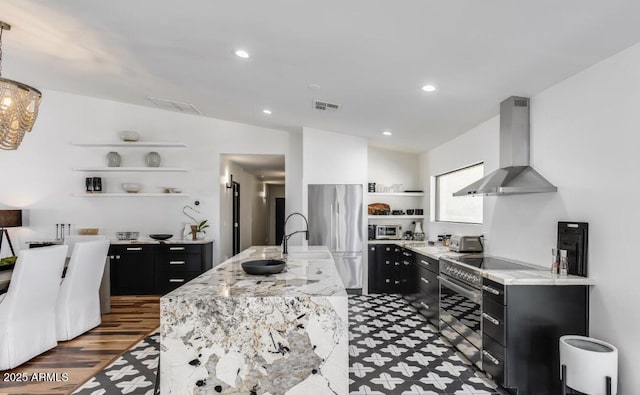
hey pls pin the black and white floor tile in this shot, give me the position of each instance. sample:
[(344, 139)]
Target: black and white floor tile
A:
[(393, 350), (134, 372)]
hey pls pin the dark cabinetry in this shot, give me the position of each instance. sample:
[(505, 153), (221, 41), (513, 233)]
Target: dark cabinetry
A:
[(132, 269), (384, 268), (425, 297), (144, 269), (521, 327), (392, 269)]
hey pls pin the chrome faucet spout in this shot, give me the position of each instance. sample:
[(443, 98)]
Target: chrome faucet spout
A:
[(286, 237)]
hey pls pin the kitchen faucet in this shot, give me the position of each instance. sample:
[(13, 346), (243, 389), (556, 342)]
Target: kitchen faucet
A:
[(286, 237)]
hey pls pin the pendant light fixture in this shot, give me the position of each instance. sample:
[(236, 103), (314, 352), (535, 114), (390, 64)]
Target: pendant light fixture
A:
[(18, 106)]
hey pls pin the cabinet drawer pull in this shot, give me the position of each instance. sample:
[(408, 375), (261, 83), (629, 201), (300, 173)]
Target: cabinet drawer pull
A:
[(491, 290), (176, 248), (425, 262), (176, 280), (386, 280), (426, 306), (177, 262), (388, 248), (407, 263), (424, 280), (134, 248), (396, 282), (396, 263), (491, 319), (490, 357)]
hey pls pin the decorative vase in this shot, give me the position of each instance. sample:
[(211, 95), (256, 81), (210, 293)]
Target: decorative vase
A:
[(194, 232), (113, 159), (153, 159)]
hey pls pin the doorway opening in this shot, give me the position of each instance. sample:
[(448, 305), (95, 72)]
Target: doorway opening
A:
[(252, 200)]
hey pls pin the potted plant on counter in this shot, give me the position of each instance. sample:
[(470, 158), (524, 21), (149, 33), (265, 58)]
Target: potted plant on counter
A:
[(198, 231)]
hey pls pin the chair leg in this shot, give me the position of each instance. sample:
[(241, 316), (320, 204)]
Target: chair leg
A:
[(156, 389), (564, 379), (608, 389)]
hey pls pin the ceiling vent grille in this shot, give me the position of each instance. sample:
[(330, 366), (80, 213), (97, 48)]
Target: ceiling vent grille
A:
[(172, 105), (325, 105)]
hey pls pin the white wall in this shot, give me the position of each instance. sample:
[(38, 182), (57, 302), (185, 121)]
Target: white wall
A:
[(41, 177), (584, 139)]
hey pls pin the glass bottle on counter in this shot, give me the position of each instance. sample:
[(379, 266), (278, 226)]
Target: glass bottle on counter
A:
[(564, 263), (555, 264)]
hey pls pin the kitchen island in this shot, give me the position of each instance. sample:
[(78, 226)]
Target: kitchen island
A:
[(229, 332)]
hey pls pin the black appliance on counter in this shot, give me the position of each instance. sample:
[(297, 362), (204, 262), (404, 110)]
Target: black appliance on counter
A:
[(573, 237), (372, 232)]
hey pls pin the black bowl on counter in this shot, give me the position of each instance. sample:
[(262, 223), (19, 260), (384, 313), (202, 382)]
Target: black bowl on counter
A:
[(263, 266), (161, 236)]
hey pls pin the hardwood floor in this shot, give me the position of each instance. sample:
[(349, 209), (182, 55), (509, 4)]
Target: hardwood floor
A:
[(130, 320)]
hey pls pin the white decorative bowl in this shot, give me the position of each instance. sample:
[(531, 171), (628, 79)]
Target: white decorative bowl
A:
[(131, 187), (129, 135)]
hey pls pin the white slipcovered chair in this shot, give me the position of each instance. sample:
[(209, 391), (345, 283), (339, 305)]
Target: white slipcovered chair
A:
[(28, 309), (78, 305)]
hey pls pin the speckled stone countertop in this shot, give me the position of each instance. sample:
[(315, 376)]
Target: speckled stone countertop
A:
[(151, 241), (301, 277), (537, 275), (227, 332)]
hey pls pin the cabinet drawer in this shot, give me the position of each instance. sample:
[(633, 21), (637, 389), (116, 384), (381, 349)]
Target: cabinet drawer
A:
[(493, 359), (493, 291), (493, 321), (428, 263), (428, 282), (180, 249), (183, 262), (426, 306), (172, 280)]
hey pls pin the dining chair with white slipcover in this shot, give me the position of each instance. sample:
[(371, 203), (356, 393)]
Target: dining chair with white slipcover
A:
[(28, 309), (78, 305)]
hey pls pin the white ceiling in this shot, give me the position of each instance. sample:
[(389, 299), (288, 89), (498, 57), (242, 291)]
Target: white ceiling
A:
[(370, 56)]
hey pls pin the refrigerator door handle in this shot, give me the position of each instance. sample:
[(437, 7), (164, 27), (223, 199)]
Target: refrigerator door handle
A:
[(332, 246), (338, 233)]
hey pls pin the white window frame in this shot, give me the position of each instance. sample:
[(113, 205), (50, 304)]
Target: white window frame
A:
[(436, 217)]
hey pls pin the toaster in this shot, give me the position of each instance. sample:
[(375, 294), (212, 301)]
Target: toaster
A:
[(459, 243)]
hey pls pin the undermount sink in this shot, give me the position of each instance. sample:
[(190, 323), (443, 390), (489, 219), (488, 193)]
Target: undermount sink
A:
[(309, 255)]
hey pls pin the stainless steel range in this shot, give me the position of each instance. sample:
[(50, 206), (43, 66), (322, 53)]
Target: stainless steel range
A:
[(461, 299)]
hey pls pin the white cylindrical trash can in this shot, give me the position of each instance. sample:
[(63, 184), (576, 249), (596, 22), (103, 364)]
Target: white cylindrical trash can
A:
[(589, 362)]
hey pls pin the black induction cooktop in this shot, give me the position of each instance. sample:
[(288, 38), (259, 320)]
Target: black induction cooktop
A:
[(491, 263)]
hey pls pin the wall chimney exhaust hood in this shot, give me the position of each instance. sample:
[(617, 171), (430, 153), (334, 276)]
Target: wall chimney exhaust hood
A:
[(514, 175)]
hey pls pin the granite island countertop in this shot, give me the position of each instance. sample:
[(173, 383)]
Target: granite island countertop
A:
[(229, 332), (301, 277)]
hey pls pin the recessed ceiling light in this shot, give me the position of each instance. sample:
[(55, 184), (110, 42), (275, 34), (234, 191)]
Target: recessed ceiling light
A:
[(314, 86), (241, 53), (428, 88), (267, 111), (387, 133)]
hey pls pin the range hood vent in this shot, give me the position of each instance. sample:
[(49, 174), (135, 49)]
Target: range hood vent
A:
[(515, 175)]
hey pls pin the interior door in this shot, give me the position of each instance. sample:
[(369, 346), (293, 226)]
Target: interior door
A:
[(279, 220), (236, 218)]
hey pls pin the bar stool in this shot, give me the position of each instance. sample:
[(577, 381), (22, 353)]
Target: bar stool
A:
[(588, 365)]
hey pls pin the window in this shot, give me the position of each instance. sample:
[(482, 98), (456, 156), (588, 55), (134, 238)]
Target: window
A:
[(460, 208)]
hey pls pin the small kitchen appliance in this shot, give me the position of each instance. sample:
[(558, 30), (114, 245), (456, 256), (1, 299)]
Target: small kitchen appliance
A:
[(460, 243), (388, 232), (573, 238)]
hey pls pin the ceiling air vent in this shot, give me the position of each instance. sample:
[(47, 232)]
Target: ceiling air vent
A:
[(172, 105), (325, 105)]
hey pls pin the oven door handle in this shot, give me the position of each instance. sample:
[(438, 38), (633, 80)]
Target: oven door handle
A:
[(473, 296)]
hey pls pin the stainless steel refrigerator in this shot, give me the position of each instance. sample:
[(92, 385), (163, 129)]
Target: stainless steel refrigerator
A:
[(335, 221)]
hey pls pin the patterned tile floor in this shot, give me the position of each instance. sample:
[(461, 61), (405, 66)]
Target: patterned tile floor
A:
[(393, 350)]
